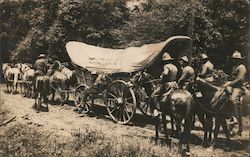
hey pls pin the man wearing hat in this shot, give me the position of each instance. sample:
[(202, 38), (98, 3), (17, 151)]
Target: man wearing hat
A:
[(187, 73), (40, 65), (168, 80), (237, 79), (206, 68)]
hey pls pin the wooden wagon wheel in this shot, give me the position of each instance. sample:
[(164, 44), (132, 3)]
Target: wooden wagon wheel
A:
[(86, 102), (120, 101), (64, 96), (78, 92)]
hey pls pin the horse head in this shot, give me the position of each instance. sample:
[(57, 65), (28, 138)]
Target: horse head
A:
[(5, 67), (214, 96)]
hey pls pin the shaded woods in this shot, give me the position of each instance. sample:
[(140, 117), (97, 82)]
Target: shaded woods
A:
[(30, 27)]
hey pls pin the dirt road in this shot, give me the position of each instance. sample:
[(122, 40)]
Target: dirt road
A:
[(62, 121)]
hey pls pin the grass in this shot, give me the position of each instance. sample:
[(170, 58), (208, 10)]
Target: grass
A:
[(23, 140)]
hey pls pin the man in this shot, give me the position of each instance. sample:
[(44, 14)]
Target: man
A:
[(40, 65), (237, 79), (187, 75), (168, 80), (206, 68), (41, 81)]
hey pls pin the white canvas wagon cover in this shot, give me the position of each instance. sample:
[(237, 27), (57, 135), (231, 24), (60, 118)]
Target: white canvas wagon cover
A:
[(106, 60)]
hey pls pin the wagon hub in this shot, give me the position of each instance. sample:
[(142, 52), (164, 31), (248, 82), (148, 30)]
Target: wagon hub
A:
[(119, 100)]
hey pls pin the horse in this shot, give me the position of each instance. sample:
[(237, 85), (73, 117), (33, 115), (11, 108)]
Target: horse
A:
[(179, 104), (214, 104), (28, 79), (5, 67), (11, 76), (41, 91), (61, 79)]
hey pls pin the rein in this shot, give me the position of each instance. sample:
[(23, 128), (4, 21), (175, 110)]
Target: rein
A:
[(209, 111)]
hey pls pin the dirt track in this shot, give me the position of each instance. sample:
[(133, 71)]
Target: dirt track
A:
[(62, 120)]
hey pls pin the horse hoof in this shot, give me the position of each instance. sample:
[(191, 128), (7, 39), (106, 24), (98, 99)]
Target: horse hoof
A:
[(205, 145)]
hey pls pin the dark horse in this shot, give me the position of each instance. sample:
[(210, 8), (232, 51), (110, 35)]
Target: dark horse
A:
[(41, 92), (179, 104), (214, 104)]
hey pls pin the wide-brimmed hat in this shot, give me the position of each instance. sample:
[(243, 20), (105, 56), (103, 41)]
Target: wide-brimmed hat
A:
[(41, 56), (184, 58), (166, 57), (204, 56), (237, 55)]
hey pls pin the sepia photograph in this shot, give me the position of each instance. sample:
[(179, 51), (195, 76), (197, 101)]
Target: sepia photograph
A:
[(124, 78)]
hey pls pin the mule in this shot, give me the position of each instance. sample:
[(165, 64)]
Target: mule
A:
[(11, 76), (28, 79), (5, 67), (61, 79), (41, 92), (216, 99), (180, 105)]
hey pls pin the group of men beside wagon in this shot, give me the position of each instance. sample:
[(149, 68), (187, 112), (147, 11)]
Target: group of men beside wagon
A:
[(170, 80)]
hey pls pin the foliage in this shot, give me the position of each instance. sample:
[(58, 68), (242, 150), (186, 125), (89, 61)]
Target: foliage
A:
[(24, 140), (30, 27)]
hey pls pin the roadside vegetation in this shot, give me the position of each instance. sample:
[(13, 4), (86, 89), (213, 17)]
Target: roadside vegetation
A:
[(23, 140)]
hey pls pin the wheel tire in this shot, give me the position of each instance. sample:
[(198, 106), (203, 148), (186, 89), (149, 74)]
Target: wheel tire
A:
[(79, 91), (120, 102), (64, 96), (86, 102)]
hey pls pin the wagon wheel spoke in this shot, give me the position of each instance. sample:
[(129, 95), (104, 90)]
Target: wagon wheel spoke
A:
[(123, 89), (79, 90), (125, 92), (124, 114), (145, 107), (111, 94), (129, 98), (128, 111), (86, 103), (120, 101)]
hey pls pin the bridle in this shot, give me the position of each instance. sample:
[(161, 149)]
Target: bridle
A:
[(223, 91)]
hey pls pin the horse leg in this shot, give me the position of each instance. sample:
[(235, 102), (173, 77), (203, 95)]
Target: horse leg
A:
[(164, 125), (238, 114), (45, 99), (178, 131), (7, 86), (205, 128), (187, 132), (36, 97), (172, 123), (209, 126), (216, 129), (53, 95), (225, 128), (157, 127)]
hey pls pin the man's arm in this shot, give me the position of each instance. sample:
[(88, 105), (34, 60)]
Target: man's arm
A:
[(240, 77), (203, 71), (183, 76)]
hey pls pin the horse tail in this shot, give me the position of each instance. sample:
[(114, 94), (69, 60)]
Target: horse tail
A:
[(46, 86)]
